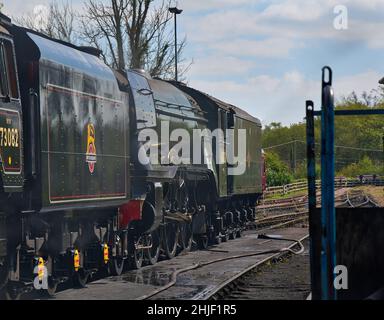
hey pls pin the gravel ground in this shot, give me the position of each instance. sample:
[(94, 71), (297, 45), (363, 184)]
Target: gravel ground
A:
[(286, 279), (376, 193)]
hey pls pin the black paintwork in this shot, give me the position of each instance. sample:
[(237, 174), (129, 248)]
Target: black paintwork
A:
[(67, 92), (11, 131)]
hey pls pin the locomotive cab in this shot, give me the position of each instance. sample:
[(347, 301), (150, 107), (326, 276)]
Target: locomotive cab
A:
[(11, 178), (11, 172)]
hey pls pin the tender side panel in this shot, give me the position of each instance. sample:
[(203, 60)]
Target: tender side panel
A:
[(250, 181), (84, 137)]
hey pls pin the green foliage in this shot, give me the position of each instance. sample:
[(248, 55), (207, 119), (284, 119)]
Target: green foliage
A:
[(301, 171), (362, 167), (356, 138), (277, 172)]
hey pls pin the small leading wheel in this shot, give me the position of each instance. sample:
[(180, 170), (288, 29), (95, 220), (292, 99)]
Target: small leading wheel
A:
[(152, 254), (202, 241), (171, 232), (116, 266), (80, 278)]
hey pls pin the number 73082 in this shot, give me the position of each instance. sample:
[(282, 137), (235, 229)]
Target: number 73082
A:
[(9, 137)]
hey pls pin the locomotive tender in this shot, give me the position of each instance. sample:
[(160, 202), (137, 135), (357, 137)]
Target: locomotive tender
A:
[(74, 197)]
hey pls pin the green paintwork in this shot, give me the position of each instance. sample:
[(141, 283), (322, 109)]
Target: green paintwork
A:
[(222, 168), (250, 181), (69, 103), (11, 132), (10, 146)]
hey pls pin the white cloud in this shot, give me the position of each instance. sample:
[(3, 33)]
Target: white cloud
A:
[(283, 98), (221, 25), (220, 65), (41, 15), (299, 10), (272, 47), (293, 19), (230, 39), (203, 5), (20, 7), (365, 81), (17, 8), (367, 5), (370, 33)]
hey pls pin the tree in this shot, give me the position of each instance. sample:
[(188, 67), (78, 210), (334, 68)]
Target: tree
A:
[(277, 172), (103, 27), (355, 138), (132, 33), (57, 21), (362, 167)]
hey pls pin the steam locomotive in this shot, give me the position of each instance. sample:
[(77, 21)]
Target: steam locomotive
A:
[(75, 197)]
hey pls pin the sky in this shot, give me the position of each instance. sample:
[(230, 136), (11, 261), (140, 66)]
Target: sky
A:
[(266, 56)]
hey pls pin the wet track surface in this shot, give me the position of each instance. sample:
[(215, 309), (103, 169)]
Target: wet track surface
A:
[(194, 284)]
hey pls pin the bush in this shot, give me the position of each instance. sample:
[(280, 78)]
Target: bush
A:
[(301, 171), (276, 170), (364, 166)]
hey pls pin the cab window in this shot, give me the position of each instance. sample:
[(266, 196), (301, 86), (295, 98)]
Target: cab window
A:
[(3, 72), (8, 81)]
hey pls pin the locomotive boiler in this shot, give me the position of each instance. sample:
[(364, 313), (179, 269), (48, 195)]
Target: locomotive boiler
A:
[(75, 197)]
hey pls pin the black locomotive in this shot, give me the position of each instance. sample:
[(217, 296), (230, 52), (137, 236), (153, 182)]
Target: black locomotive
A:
[(75, 197)]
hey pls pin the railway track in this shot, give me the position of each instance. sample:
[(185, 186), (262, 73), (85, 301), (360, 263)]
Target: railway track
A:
[(272, 253), (272, 216), (246, 285), (276, 220), (280, 214), (284, 205), (270, 223), (355, 199)]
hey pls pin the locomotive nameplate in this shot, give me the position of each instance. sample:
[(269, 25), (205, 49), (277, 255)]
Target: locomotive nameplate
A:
[(10, 150)]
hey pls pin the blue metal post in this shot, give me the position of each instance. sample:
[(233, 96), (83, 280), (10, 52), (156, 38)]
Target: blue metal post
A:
[(311, 163), (311, 174), (328, 216), (322, 227)]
